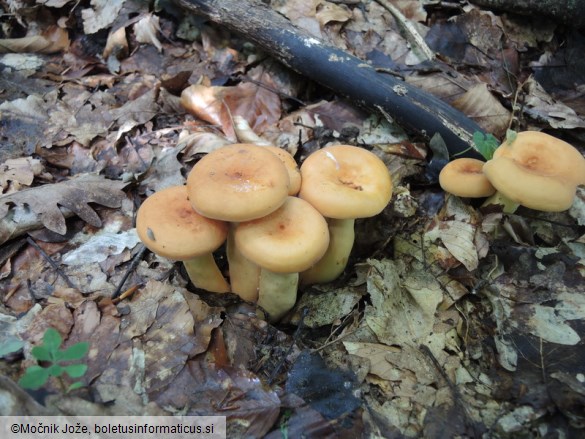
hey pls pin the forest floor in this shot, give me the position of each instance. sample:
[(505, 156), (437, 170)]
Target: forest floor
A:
[(451, 320)]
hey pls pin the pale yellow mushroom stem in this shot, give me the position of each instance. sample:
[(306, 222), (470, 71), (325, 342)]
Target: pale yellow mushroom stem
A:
[(330, 266), (205, 274), (244, 274), (278, 293)]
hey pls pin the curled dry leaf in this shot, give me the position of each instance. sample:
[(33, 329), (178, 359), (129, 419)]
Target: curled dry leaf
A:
[(146, 30), (100, 246), (542, 106), (458, 229), (199, 143), (17, 172), (218, 105), (483, 107), (42, 206), (54, 39), (245, 133), (102, 15), (116, 44), (330, 12)]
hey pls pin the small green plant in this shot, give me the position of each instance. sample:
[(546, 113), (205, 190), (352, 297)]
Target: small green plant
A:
[(511, 136), (284, 424), (50, 352), (486, 144)]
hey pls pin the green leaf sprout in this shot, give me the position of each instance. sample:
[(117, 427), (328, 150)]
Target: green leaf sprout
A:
[(37, 376), (486, 144)]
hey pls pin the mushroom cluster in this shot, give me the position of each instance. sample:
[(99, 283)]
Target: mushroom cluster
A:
[(281, 224), (534, 170)]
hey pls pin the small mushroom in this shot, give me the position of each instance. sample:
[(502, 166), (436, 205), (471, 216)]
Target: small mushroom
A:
[(464, 177), (343, 183), (235, 183), (283, 243), (168, 226), (246, 134), (537, 171), (294, 174)]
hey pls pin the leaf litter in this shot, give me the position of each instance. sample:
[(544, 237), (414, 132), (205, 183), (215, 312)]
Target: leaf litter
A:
[(450, 320)]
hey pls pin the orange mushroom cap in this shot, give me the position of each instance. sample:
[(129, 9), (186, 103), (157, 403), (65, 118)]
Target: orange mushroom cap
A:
[(289, 240), (237, 183), (343, 181), (167, 224), (528, 187), (546, 155), (294, 173), (464, 177), (537, 171)]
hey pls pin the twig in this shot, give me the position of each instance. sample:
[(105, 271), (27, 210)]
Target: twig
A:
[(280, 94), (51, 262), (458, 399), (296, 336), (412, 35), (126, 293), (135, 261), (515, 108), (330, 341)]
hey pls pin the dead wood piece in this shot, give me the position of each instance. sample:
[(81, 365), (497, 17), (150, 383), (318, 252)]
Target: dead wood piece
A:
[(568, 12), (414, 109)]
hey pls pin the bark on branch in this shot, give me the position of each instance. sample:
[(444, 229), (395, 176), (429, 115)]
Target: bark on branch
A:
[(568, 12), (414, 109)]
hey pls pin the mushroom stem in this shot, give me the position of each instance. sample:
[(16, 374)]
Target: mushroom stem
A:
[(332, 264), (499, 199), (244, 274), (278, 293), (205, 274)]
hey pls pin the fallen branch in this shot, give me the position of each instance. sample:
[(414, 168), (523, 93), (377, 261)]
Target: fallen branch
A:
[(568, 12), (414, 109)]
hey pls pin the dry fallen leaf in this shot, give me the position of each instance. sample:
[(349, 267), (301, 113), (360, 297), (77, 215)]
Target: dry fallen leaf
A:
[(146, 30), (54, 39), (328, 12), (396, 316), (325, 305), (103, 14), (542, 106), (483, 107), (116, 44), (43, 205), (457, 228), (391, 362), (100, 246), (15, 173), (217, 105)]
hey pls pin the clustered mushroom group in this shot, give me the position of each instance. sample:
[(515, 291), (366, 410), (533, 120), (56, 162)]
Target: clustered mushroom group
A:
[(281, 224), (534, 170)]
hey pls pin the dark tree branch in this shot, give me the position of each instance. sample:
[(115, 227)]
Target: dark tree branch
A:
[(414, 109), (568, 12)]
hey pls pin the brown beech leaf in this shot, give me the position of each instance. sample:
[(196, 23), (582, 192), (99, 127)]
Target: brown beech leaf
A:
[(146, 31), (259, 106), (15, 173), (101, 15), (44, 203), (54, 39), (483, 107)]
